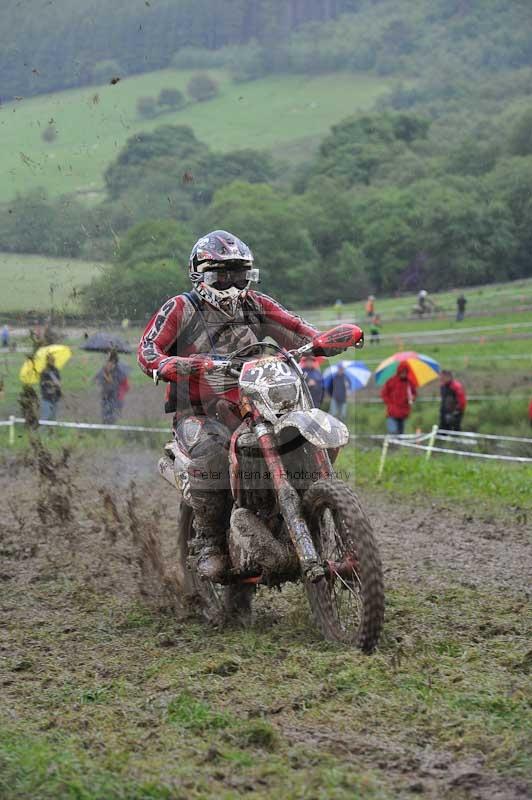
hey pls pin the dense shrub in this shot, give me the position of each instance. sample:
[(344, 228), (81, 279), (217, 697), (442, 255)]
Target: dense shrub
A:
[(49, 134), (172, 98), (33, 223), (202, 87), (520, 143), (146, 107), (149, 267)]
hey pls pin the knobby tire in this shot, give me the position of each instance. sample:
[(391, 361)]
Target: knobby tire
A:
[(353, 536)]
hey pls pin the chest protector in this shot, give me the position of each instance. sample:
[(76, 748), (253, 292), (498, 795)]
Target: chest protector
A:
[(210, 332)]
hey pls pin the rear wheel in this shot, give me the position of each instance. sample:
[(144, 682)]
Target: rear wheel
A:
[(217, 604), (347, 604)]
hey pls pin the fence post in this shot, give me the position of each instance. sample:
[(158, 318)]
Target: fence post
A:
[(12, 430), (384, 452), (432, 439)]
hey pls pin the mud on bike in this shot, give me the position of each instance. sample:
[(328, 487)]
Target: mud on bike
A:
[(292, 519)]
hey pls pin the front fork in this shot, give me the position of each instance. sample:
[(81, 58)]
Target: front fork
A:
[(290, 505)]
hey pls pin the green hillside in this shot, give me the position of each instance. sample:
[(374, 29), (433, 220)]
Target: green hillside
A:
[(25, 282), (286, 114)]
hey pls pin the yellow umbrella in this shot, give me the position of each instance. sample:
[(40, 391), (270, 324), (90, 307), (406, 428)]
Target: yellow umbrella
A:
[(32, 367)]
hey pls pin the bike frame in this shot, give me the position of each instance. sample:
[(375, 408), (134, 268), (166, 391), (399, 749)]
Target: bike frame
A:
[(290, 504)]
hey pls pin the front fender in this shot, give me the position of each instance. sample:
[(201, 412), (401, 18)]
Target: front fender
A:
[(318, 427)]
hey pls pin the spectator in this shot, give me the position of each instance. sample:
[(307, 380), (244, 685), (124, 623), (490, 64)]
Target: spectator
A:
[(314, 380), (398, 393), (5, 336), (50, 382), (375, 330), (530, 412), (370, 306), (114, 384), (461, 303), (453, 402), (338, 391)]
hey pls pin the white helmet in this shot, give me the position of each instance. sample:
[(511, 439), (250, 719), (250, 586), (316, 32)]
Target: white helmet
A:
[(221, 270)]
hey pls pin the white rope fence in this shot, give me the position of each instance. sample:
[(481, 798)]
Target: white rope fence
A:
[(12, 421), (442, 434), (419, 441)]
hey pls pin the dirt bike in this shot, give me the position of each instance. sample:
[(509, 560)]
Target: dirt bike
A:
[(292, 518)]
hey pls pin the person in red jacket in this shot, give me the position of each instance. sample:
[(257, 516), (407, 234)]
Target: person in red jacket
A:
[(398, 393), (453, 402)]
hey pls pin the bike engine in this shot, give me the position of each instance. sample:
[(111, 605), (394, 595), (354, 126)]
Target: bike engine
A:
[(254, 549)]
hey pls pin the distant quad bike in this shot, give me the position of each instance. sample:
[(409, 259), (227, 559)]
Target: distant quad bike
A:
[(426, 310), (423, 311), (292, 519)]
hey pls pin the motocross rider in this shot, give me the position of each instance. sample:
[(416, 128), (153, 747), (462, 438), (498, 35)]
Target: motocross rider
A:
[(180, 345)]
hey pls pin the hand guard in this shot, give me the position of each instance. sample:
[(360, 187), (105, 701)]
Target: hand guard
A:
[(338, 339)]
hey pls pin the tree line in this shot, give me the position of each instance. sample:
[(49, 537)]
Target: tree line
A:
[(380, 207), (376, 209), (433, 188), (78, 42), (357, 219)]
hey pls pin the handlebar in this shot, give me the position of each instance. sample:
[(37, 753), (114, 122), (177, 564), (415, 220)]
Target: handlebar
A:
[(228, 365), (334, 341)]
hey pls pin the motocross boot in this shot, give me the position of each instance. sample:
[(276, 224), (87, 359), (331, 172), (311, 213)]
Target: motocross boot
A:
[(208, 548)]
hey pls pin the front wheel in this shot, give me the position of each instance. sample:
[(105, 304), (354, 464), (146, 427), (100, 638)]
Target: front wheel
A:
[(347, 604)]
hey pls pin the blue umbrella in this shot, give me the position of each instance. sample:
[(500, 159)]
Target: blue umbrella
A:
[(356, 372)]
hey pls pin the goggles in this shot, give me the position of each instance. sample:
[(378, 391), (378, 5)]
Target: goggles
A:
[(224, 278)]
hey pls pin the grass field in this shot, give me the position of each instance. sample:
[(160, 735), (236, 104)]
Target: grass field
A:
[(467, 483), (496, 300), (284, 114), (31, 282)]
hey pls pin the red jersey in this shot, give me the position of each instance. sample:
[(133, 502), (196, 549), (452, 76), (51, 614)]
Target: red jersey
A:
[(181, 328)]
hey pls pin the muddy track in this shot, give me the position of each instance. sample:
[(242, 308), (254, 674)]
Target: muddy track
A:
[(431, 774), (434, 543), (419, 540), (105, 523)]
